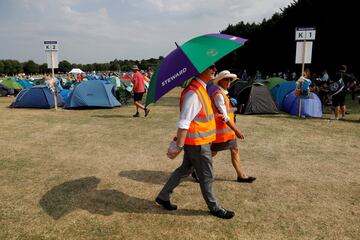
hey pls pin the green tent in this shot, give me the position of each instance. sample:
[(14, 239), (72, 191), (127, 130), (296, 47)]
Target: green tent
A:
[(11, 83), (272, 82)]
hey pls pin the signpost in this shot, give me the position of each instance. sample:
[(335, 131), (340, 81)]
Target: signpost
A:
[(304, 38), (51, 49)]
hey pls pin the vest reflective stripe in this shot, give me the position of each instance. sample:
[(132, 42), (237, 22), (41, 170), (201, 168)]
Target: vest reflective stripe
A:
[(200, 135), (202, 128), (223, 132), (202, 98), (205, 119)]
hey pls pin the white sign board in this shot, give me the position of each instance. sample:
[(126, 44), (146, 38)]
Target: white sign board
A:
[(302, 34), (52, 59), (301, 56), (51, 46), (51, 49)]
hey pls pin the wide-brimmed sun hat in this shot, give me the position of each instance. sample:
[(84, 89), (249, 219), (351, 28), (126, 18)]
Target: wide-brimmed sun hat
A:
[(225, 74), (135, 67)]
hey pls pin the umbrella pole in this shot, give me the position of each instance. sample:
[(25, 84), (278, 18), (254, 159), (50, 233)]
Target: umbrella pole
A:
[(53, 77), (299, 110)]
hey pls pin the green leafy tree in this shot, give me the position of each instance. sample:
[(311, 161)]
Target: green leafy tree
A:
[(30, 67), (64, 66)]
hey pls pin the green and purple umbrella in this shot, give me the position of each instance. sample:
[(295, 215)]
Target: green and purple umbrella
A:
[(189, 60)]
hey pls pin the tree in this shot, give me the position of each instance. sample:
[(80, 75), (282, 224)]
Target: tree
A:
[(64, 66), (30, 67)]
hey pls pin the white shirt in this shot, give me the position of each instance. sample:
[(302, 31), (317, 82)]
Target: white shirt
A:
[(220, 104), (191, 107)]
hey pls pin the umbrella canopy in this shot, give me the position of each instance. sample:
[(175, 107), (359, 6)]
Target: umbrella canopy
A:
[(76, 71), (189, 60)]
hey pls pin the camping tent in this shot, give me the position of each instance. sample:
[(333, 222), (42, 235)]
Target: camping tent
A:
[(4, 91), (252, 98), (95, 93), (280, 91), (272, 82), (11, 83), (310, 105), (36, 97), (76, 71)]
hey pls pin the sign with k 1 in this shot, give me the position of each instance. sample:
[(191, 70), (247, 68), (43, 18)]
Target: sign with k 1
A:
[(305, 34)]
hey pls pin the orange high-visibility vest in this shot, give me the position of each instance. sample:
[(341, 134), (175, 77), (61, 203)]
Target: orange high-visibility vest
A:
[(223, 132), (202, 127)]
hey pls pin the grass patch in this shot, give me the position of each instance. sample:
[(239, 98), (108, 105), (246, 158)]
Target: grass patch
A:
[(94, 174)]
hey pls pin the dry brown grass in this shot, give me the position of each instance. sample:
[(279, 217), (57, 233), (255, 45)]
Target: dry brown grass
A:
[(94, 174)]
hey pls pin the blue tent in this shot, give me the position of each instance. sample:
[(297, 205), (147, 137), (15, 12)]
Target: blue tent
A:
[(24, 83), (310, 105), (36, 97), (95, 93), (280, 91)]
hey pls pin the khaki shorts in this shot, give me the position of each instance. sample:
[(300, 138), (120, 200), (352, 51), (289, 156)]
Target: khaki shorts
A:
[(216, 147)]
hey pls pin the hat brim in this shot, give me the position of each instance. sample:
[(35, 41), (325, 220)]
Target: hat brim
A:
[(219, 78)]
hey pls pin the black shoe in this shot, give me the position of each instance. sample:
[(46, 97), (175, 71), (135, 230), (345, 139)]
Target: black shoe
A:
[(136, 114), (193, 174), (146, 112), (222, 213), (166, 204), (246, 180)]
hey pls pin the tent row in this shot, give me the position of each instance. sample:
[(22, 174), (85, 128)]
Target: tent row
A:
[(88, 94), (272, 95)]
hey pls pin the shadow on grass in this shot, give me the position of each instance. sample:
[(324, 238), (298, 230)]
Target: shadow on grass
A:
[(146, 176), (82, 194)]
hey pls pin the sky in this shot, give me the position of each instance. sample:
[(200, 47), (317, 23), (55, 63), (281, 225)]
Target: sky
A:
[(100, 31)]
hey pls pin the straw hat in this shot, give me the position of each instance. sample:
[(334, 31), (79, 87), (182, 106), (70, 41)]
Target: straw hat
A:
[(224, 74)]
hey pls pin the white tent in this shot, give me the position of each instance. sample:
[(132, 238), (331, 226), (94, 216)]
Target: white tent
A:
[(76, 71)]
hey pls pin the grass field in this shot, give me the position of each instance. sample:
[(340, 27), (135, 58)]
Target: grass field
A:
[(94, 174)]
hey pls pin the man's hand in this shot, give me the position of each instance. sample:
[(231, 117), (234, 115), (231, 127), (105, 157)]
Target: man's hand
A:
[(173, 150), (239, 134)]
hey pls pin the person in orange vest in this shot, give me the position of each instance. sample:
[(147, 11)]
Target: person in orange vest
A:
[(226, 129), (196, 131)]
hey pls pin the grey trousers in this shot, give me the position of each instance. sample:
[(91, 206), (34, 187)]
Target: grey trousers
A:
[(198, 157)]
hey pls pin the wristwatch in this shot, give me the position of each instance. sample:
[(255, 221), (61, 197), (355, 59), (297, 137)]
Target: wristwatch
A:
[(180, 148)]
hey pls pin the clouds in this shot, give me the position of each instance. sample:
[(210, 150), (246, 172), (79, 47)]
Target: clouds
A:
[(99, 31)]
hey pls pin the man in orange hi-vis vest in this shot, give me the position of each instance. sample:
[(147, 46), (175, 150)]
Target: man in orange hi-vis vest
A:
[(196, 131), (226, 129)]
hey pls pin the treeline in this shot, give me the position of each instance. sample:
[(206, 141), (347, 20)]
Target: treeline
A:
[(13, 67), (271, 46)]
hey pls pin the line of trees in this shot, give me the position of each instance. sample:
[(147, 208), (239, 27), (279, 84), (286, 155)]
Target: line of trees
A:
[(271, 46), (13, 67)]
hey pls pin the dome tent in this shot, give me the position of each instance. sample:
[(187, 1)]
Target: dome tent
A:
[(92, 94), (36, 97), (310, 105), (252, 98)]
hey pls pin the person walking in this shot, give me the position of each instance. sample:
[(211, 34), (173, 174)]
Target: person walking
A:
[(339, 87), (226, 129), (138, 81), (196, 131)]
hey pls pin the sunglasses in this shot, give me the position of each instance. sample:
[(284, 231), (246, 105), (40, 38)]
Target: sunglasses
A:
[(212, 67)]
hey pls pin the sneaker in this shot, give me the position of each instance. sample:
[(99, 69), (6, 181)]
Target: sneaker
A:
[(222, 213), (246, 180), (136, 114), (146, 112), (166, 204)]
